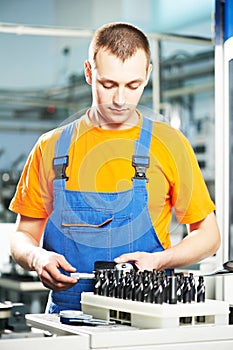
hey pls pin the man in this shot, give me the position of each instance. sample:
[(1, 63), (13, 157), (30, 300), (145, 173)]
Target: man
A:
[(103, 187)]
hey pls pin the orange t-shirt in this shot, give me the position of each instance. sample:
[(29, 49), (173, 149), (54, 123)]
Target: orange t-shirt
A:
[(101, 160)]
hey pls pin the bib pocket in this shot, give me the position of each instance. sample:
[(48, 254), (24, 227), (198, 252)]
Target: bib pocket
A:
[(88, 218), (95, 235), (85, 229)]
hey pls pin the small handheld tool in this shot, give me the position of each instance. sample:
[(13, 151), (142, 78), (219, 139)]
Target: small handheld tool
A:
[(82, 275), (78, 318), (103, 265)]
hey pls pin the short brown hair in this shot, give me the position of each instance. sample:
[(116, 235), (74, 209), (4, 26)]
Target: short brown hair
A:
[(121, 40)]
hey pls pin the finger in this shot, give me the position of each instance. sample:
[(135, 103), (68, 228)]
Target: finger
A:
[(46, 279), (56, 281), (57, 287), (56, 276), (127, 257)]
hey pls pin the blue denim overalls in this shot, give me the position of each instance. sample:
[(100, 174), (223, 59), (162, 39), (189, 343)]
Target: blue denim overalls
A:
[(91, 226)]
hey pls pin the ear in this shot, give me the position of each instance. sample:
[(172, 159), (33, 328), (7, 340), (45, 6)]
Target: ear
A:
[(148, 73), (88, 72)]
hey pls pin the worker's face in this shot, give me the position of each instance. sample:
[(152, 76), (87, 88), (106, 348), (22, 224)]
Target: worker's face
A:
[(117, 87)]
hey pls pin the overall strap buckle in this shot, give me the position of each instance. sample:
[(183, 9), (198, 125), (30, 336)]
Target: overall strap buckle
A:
[(140, 164), (59, 166)]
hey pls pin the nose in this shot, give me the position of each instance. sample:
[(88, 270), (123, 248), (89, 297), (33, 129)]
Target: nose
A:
[(119, 98)]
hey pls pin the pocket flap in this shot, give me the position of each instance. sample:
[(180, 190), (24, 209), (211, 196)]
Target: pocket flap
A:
[(85, 218)]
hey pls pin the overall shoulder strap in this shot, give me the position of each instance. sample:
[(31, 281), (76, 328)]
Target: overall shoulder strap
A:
[(142, 146), (61, 158), (140, 159), (63, 143)]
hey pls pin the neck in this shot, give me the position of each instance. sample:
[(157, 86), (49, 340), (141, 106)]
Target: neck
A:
[(95, 118)]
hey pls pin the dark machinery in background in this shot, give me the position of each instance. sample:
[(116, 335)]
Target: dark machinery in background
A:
[(8, 181)]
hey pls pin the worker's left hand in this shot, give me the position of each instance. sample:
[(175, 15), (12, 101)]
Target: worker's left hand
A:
[(142, 260)]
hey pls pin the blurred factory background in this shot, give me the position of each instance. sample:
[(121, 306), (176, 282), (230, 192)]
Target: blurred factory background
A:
[(43, 47)]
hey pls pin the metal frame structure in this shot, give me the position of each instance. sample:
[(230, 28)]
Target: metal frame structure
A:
[(223, 56), (156, 39)]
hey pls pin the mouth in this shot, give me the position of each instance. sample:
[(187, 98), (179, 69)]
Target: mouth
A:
[(118, 110)]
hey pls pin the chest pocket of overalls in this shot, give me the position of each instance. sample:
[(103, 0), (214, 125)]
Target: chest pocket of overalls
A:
[(88, 218), (96, 229), (83, 225)]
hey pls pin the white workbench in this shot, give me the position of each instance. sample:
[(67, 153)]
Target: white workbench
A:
[(120, 337)]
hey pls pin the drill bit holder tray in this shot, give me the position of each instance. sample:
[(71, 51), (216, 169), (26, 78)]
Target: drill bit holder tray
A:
[(148, 315)]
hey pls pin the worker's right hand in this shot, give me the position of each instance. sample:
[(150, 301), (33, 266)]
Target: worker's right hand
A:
[(48, 264)]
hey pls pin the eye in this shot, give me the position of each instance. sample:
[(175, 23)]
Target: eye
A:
[(107, 84), (134, 86)]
